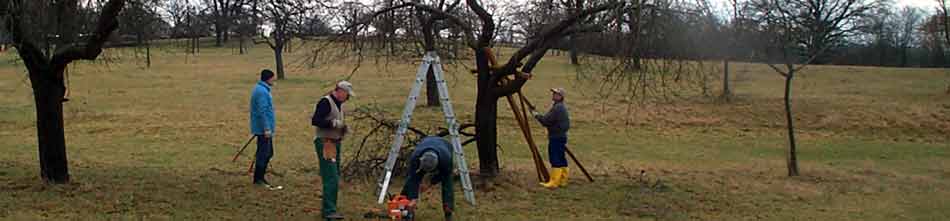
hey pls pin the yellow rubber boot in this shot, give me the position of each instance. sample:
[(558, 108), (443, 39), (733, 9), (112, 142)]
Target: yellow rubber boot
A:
[(555, 178), (563, 181)]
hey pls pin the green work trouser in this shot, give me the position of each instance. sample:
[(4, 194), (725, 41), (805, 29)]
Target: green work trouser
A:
[(330, 173)]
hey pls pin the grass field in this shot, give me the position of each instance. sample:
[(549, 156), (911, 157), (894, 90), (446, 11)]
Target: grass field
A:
[(157, 143)]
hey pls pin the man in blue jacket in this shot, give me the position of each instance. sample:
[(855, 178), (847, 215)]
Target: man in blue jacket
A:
[(262, 126), (432, 161)]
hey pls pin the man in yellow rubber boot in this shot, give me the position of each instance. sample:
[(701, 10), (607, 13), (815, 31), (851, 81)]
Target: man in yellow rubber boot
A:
[(558, 122)]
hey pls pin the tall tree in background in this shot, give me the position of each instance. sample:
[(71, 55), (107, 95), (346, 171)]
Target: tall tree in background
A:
[(907, 22), (429, 27), (141, 19), (881, 29), (944, 17), (283, 16), (791, 41), (246, 25), (223, 15), (733, 30), (28, 27), (827, 22), (932, 39)]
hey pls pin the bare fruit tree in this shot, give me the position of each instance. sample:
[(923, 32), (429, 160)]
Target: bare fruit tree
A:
[(792, 31), (283, 17), (500, 79), (46, 68)]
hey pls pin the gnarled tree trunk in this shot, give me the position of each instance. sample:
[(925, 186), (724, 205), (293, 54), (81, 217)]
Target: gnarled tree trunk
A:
[(48, 94)]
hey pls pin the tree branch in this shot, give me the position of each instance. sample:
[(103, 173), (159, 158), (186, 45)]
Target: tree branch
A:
[(554, 33), (468, 31), (32, 56), (107, 23), (266, 40), (777, 70), (488, 24), (515, 85)]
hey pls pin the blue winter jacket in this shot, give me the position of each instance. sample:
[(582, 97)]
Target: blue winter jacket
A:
[(262, 109)]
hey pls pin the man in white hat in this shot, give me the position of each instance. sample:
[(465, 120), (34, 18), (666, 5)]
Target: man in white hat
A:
[(330, 130), (558, 122)]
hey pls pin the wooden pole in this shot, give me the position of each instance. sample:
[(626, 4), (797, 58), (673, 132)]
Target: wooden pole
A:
[(542, 170), (568, 150), (242, 148), (523, 124)]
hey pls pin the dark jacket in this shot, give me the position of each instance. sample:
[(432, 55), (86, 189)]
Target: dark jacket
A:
[(321, 111), (443, 149), (557, 120)]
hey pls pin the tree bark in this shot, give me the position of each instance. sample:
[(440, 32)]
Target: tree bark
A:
[(242, 41), (486, 113), (792, 154), (573, 49), (279, 60), (432, 89), (218, 39), (148, 54), (194, 45), (726, 91), (48, 94)]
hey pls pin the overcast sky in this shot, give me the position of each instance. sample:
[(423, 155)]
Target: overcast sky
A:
[(923, 4), (724, 6)]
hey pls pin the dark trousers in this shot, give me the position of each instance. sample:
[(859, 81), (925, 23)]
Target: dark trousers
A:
[(265, 150), (556, 148)]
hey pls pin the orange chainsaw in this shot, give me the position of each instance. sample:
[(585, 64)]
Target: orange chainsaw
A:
[(397, 209)]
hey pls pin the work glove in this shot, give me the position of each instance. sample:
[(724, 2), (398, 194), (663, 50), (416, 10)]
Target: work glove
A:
[(338, 123), (536, 113)]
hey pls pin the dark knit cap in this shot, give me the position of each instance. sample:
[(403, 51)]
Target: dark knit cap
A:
[(266, 74)]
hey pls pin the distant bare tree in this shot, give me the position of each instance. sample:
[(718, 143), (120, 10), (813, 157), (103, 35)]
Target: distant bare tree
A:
[(907, 22), (283, 16), (29, 23), (429, 27), (944, 12), (676, 39), (732, 31), (141, 19), (246, 25), (223, 14), (827, 22), (793, 41), (932, 38), (882, 31)]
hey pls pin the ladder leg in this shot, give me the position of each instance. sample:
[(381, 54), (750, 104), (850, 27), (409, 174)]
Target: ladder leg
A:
[(453, 127), (404, 121)]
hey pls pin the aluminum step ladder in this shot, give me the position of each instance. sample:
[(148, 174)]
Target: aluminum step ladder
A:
[(430, 59)]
